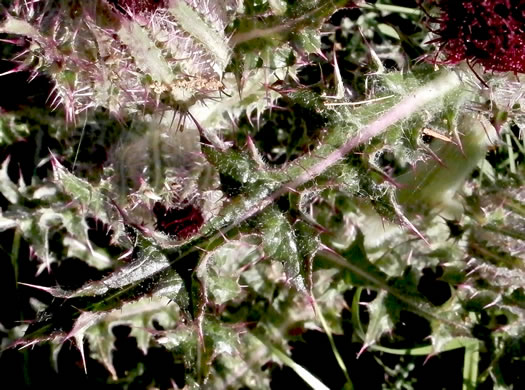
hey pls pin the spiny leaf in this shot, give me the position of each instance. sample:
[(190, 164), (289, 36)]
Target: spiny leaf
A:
[(10, 130), (7, 187), (280, 244), (224, 267), (379, 322), (89, 197), (17, 26), (36, 227), (7, 223), (356, 255), (233, 164), (308, 40), (95, 257), (96, 299), (147, 56), (142, 316), (149, 262), (213, 40)]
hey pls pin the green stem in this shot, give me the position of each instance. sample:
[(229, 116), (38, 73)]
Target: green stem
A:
[(338, 357), (314, 383), (512, 157), (506, 232), (391, 8), (411, 104), (14, 254)]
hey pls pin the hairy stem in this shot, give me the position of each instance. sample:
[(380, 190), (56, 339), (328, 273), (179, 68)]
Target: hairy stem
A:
[(415, 101)]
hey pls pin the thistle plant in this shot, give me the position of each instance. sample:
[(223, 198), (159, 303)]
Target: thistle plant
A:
[(233, 175)]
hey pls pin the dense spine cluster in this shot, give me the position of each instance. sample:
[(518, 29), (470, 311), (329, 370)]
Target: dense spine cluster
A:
[(486, 32)]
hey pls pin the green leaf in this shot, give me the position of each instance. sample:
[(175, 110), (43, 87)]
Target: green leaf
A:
[(388, 30), (146, 54), (308, 40), (356, 255), (141, 316), (221, 270), (171, 286), (234, 164), (435, 182), (91, 199), (149, 262), (379, 322), (97, 258), (10, 130), (7, 223), (214, 41), (7, 187), (280, 244), (20, 27)]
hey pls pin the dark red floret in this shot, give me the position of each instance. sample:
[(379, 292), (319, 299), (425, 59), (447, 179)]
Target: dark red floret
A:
[(180, 222), (486, 32)]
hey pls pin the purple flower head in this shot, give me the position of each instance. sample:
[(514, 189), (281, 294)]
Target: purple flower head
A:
[(486, 32), (181, 222)]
